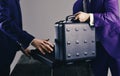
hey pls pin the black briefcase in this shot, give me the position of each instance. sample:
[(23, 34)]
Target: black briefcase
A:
[(74, 40)]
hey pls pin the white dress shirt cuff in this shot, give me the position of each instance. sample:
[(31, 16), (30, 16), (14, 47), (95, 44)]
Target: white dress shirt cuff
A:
[(91, 20)]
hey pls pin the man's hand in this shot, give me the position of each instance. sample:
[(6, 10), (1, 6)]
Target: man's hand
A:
[(82, 16), (27, 51), (42, 45)]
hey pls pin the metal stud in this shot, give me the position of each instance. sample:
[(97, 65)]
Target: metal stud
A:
[(68, 43), (69, 55), (77, 54), (84, 29), (85, 53), (77, 42), (85, 41), (93, 41), (76, 29), (93, 52), (68, 30)]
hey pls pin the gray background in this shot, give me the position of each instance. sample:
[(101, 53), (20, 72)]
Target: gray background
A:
[(39, 17)]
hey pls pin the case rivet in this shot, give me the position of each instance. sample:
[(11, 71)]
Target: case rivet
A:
[(85, 53), (68, 30), (68, 42), (77, 42), (85, 41), (85, 29), (77, 54), (69, 55), (76, 29)]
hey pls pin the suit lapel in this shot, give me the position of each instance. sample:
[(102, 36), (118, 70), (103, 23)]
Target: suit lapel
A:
[(16, 11)]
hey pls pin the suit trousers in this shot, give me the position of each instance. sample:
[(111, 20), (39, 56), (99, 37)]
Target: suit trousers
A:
[(103, 61), (7, 53)]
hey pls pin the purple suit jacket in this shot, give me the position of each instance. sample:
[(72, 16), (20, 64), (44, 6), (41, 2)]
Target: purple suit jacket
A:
[(106, 21)]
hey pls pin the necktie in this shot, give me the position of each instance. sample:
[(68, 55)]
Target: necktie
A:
[(86, 5)]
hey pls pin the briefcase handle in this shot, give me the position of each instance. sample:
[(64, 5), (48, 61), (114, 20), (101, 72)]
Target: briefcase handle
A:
[(71, 18)]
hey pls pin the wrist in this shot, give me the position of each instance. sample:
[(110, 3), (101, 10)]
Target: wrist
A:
[(33, 41)]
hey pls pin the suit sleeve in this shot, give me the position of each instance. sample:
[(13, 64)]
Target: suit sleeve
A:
[(78, 6), (108, 15), (11, 27)]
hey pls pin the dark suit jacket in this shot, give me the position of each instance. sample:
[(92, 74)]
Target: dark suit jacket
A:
[(107, 23), (11, 22)]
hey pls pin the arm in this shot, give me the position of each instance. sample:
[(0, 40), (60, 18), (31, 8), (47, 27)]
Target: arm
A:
[(78, 6), (8, 23), (109, 13)]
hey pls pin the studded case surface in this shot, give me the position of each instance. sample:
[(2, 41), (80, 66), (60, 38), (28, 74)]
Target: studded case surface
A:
[(74, 41)]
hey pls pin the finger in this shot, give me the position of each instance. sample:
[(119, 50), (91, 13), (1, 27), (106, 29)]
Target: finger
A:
[(27, 52), (40, 49), (48, 48), (77, 13), (49, 43), (77, 17)]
